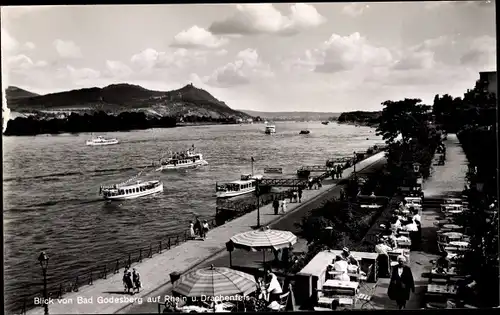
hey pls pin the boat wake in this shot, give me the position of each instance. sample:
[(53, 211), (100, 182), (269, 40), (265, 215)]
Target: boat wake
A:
[(59, 176)]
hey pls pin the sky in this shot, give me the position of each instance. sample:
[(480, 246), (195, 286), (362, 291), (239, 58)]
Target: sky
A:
[(328, 57)]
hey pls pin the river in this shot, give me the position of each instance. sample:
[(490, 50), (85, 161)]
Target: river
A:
[(51, 189)]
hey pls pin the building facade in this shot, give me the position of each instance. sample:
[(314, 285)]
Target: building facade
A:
[(488, 81)]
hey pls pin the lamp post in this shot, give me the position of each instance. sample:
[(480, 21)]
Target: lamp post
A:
[(354, 164), (43, 259), (257, 190)]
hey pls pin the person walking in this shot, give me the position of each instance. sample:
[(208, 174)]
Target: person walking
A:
[(197, 227), (136, 278), (401, 283), (192, 235), (300, 194), (283, 206), (205, 228), (276, 205)]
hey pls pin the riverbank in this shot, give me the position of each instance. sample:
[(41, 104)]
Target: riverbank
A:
[(155, 271)]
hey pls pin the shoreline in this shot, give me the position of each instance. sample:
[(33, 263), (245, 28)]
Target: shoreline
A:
[(155, 271)]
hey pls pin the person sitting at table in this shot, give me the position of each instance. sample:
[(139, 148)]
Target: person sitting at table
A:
[(261, 289), (346, 255), (442, 263), (383, 260), (418, 236), (341, 266), (273, 287), (386, 230), (395, 224)]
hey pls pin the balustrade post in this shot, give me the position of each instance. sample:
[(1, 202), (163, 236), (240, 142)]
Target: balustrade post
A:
[(140, 255), (117, 267), (177, 240), (105, 272), (150, 251), (23, 312), (159, 251), (169, 243), (90, 278), (60, 291), (129, 260), (75, 286), (185, 236)]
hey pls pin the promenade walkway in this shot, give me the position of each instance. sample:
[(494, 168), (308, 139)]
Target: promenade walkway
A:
[(94, 299), (445, 180)]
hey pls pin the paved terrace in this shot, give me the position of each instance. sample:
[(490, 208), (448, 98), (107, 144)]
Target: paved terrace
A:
[(155, 272), (445, 180)]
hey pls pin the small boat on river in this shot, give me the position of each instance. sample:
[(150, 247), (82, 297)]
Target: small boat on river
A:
[(270, 129), (245, 185), (129, 190), (304, 132), (101, 141), (325, 122), (180, 160)]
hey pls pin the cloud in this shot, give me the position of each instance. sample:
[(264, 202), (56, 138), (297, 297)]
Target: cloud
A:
[(221, 52), (266, 19), (8, 42), (342, 53), (242, 70), (433, 5), (150, 59), (197, 37), (29, 46), (15, 12), (67, 49), (482, 53), (422, 59), (23, 63), (354, 9), (79, 76), (117, 69)]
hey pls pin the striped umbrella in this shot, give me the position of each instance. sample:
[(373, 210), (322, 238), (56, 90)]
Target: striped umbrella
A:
[(264, 238), (215, 281)]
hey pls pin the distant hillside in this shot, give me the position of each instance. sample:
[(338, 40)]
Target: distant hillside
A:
[(117, 98), (293, 115), (12, 93), (360, 118)]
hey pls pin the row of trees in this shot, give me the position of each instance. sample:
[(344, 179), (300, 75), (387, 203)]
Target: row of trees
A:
[(473, 118), (98, 122)]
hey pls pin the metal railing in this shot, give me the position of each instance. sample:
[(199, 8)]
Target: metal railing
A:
[(111, 267)]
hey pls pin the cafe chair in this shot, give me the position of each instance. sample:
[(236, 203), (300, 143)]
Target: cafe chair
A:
[(366, 298), (281, 305), (363, 278)]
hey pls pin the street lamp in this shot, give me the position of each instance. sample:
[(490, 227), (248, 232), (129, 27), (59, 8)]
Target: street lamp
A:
[(44, 262), (354, 161), (257, 194)]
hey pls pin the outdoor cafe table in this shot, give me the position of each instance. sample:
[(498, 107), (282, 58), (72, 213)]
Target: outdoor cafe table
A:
[(443, 290), (450, 273), (452, 200), (330, 286), (453, 236), (393, 254), (352, 272), (371, 206), (450, 206), (452, 227), (459, 244)]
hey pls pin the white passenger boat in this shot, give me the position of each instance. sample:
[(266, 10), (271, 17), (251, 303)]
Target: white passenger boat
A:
[(101, 141), (270, 129), (179, 160), (245, 185), (129, 190)]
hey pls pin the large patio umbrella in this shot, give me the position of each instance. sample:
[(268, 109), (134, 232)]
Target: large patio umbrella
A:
[(264, 239), (215, 281)]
